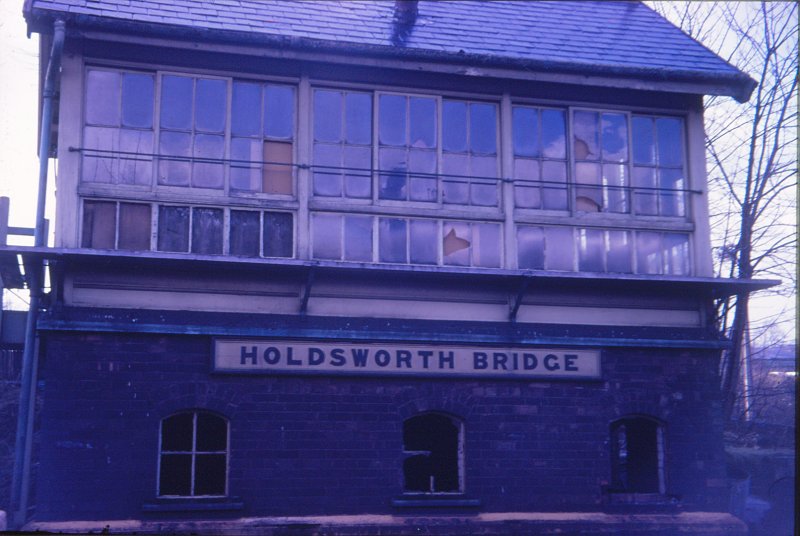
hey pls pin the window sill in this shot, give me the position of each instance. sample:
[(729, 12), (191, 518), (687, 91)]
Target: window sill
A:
[(435, 501), (655, 502), (188, 504)]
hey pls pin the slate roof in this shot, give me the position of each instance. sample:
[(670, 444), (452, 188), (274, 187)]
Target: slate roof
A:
[(594, 37)]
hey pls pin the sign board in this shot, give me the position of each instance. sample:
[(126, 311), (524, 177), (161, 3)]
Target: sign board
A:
[(394, 359)]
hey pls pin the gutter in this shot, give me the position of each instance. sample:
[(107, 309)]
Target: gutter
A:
[(20, 487)]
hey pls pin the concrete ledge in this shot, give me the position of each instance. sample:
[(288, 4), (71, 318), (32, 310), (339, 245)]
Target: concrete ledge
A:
[(488, 524)]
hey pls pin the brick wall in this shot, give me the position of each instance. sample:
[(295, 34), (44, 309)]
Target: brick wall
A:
[(333, 445)]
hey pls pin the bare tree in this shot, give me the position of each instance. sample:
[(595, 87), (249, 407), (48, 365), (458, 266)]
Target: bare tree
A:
[(752, 163)]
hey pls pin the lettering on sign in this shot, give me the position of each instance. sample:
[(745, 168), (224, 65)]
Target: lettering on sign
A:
[(268, 357)]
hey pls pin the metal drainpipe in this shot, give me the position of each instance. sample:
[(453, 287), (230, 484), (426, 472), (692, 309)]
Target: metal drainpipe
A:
[(20, 486)]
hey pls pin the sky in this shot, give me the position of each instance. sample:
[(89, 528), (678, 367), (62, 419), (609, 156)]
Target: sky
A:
[(19, 165)]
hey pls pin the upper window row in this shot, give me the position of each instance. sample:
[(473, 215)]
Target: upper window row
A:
[(240, 136)]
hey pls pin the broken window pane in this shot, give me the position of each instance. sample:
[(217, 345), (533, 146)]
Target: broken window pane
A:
[(554, 139), (245, 233), (99, 224), (278, 234), (326, 236), (207, 231), (279, 112), (530, 248), (585, 129), (102, 98), (424, 241), (456, 243), (589, 195), (137, 100), (392, 240), (173, 228), (134, 226), (431, 443), (278, 171), (358, 238)]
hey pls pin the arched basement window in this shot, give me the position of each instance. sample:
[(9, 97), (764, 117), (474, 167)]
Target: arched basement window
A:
[(433, 446), (637, 455), (193, 455)]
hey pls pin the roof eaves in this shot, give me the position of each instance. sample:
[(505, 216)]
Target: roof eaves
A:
[(734, 83)]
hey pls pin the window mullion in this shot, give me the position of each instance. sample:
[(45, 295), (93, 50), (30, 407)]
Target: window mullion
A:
[(194, 452)]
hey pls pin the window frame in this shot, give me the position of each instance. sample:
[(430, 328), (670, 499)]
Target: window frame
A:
[(193, 452), (660, 455)]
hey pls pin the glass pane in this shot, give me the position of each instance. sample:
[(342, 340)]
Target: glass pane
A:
[(423, 123), (648, 253), (136, 168), (676, 254), (392, 240), (456, 242), (209, 474), (212, 433), (530, 248), (484, 192), (644, 148), (670, 142), (454, 126), (327, 115), (358, 238), (558, 243), (358, 178), (618, 252), (327, 170), (615, 138), (393, 173), (455, 187), (207, 231), (102, 98), (106, 142), (176, 433), (554, 139), (245, 171), (526, 131), (482, 128), (208, 174), (246, 109), (176, 102), (585, 130), (279, 112), (392, 120), (278, 171), (174, 166), (615, 193), (211, 102), (278, 234), (245, 233), (358, 118), (175, 475), (99, 223), (422, 187), (526, 194), (424, 241), (326, 230), (137, 100), (645, 202), (134, 227), (671, 201), (554, 185), (173, 228), (589, 196), (590, 250), (486, 245)]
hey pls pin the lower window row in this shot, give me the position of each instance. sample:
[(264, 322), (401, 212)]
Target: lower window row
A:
[(194, 455)]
